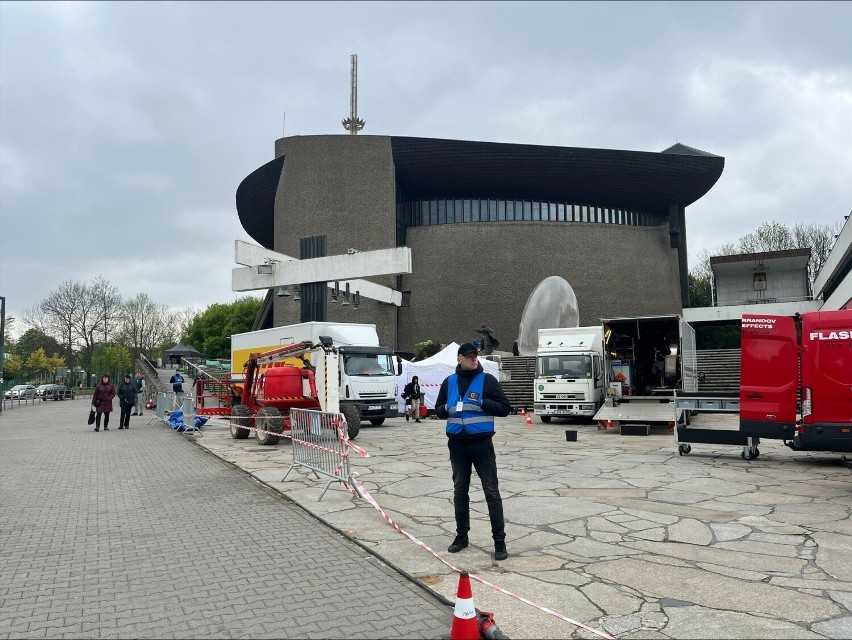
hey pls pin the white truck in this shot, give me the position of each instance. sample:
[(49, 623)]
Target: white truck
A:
[(647, 359), (367, 372), (569, 374)]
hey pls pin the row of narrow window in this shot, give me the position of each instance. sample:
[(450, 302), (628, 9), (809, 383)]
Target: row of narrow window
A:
[(419, 213)]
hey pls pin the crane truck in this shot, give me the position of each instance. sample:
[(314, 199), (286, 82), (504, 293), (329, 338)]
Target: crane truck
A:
[(366, 377)]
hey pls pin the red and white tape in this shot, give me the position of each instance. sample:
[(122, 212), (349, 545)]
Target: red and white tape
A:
[(359, 490)]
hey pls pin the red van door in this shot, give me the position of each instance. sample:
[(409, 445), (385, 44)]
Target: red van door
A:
[(827, 367), (769, 376)]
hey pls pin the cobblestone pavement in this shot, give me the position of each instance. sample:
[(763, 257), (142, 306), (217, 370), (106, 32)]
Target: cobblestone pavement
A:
[(619, 532), (142, 534)]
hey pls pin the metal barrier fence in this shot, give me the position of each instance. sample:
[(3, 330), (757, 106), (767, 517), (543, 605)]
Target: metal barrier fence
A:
[(168, 402), (321, 444)]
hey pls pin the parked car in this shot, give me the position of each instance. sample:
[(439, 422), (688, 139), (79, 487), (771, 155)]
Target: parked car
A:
[(52, 392), (21, 391)]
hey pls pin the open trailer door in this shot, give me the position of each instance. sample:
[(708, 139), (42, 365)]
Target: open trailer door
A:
[(769, 376)]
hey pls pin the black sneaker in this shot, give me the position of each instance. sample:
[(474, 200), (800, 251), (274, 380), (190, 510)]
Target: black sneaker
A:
[(458, 544), (500, 552)]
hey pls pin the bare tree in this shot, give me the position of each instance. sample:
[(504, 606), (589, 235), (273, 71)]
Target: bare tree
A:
[(106, 304), (147, 325), (774, 236)]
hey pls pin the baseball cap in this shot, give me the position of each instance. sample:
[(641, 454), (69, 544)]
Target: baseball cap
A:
[(467, 349)]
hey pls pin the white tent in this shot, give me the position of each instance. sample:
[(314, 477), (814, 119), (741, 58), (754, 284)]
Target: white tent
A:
[(432, 371)]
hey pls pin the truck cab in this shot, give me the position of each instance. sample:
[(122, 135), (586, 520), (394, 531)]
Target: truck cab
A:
[(569, 377), (368, 381)]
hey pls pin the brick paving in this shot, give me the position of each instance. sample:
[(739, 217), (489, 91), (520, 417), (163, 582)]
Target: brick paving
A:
[(142, 534)]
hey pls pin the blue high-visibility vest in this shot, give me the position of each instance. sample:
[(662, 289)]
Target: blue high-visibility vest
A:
[(471, 419)]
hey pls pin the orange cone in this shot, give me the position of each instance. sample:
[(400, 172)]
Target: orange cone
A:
[(465, 625), (529, 419), (523, 411)]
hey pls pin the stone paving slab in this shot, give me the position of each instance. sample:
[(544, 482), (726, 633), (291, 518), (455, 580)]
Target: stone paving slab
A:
[(618, 532), (142, 534)]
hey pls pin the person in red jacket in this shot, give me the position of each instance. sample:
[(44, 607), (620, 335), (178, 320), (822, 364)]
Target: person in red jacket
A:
[(102, 402)]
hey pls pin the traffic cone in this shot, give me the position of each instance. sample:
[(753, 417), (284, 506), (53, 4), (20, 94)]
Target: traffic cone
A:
[(523, 411), (465, 625), (609, 424), (529, 418)]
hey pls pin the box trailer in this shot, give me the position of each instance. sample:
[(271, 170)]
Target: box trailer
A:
[(646, 360)]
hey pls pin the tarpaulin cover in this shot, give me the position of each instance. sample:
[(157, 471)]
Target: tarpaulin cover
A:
[(176, 420)]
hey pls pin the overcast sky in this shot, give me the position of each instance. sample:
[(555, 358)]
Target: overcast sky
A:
[(126, 128)]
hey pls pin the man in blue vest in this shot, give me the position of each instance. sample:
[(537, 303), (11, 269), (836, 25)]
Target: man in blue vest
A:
[(469, 400)]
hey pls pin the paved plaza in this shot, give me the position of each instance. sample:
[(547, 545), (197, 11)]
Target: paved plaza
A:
[(142, 534), (145, 534), (618, 532)]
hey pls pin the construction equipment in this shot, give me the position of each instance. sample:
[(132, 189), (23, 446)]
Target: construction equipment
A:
[(271, 387)]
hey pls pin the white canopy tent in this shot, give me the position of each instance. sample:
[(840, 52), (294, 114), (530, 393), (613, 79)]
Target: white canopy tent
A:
[(432, 371)]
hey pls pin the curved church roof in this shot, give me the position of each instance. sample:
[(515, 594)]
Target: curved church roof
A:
[(430, 167)]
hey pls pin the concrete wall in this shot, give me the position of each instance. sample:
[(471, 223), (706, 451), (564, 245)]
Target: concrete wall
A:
[(342, 187), (465, 275), (781, 284)]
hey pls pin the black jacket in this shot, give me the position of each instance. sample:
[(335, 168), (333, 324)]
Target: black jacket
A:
[(494, 401), (410, 392), (127, 393)]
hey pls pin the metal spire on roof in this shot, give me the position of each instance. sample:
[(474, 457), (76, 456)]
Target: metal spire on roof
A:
[(353, 124)]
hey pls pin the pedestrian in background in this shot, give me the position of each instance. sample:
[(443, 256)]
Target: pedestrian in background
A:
[(126, 401), (470, 399), (177, 382), (139, 383), (411, 394), (102, 402)]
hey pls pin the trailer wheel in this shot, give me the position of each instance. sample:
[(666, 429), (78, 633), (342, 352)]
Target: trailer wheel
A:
[(545, 419), (353, 419), (268, 419), (683, 449), (240, 416), (377, 421)]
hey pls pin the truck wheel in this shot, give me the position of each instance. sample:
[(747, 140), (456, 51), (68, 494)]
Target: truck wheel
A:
[(377, 421), (545, 419), (353, 419), (268, 419), (240, 417)]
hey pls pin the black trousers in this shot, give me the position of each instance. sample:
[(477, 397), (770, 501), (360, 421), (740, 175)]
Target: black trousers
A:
[(124, 418), (98, 415), (476, 453)]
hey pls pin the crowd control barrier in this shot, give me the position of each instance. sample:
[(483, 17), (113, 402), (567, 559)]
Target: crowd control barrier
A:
[(321, 444), (180, 404)]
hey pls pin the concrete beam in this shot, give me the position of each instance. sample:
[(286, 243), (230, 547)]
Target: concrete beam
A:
[(287, 271)]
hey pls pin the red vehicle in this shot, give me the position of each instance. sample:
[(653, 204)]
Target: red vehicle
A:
[(796, 379), (270, 389)]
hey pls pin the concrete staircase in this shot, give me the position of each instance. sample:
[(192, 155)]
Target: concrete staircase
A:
[(519, 390), (721, 368)]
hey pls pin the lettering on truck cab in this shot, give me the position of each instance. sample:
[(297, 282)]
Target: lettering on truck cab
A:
[(758, 323), (831, 335)]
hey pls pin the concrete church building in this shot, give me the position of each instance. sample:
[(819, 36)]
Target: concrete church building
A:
[(486, 224)]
